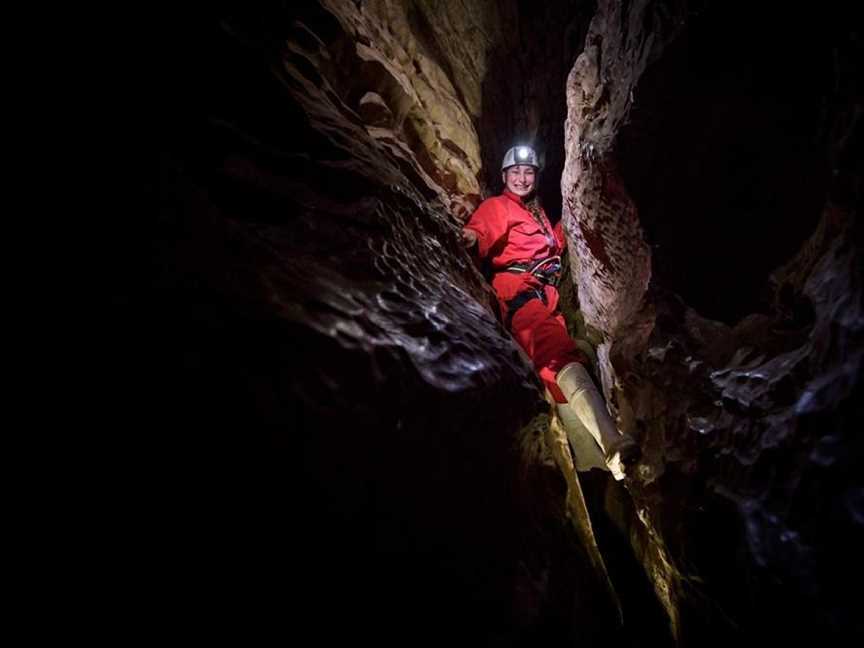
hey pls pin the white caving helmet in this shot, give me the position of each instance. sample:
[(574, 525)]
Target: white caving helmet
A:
[(520, 155)]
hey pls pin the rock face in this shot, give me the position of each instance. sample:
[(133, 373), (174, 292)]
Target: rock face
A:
[(307, 281), (739, 522), (424, 62)]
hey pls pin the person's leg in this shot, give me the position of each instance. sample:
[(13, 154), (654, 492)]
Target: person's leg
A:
[(586, 404), (560, 364), (543, 336)]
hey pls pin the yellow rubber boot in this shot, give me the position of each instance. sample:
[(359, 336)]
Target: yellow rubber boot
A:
[(586, 404)]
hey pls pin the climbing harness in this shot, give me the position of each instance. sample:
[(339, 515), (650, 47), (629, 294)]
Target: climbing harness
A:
[(547, 270), (520, 300)]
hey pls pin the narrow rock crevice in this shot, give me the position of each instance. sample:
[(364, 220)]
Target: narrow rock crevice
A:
[(306, 284)]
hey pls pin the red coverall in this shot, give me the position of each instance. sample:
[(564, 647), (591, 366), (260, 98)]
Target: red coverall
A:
[(508, 233)]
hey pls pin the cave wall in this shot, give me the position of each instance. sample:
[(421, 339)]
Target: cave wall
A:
[(703, 149)]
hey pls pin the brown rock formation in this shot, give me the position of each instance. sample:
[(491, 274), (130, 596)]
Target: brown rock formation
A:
[(724, 413)]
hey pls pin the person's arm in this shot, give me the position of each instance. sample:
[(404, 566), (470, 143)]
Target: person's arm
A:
[(487, 228)]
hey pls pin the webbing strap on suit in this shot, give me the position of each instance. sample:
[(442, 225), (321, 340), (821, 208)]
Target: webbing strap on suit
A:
[(547, 270)]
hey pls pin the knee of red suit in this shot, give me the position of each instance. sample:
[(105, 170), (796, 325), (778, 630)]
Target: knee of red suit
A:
[(543, 335)]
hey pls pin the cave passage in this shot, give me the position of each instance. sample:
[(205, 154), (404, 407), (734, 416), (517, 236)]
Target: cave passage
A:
[(307, 289)]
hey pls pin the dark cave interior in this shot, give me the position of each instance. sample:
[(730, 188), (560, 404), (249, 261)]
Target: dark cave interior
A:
[(734, 138)]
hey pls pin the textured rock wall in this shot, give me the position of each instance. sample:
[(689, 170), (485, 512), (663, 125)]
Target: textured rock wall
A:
[(412, 72), (746, 503)]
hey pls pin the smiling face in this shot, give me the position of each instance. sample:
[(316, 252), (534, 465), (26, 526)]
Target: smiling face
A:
[(520, 179)]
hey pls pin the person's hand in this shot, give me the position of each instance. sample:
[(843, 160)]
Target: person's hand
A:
[(469, 237)]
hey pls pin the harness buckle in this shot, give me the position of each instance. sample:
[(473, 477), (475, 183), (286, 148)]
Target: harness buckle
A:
[(548, 270)]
